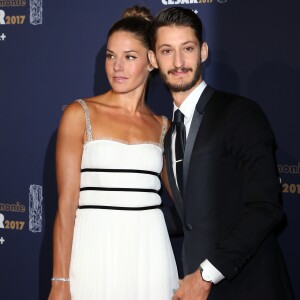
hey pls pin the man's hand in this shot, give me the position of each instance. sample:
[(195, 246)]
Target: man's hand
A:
[(193, 287)]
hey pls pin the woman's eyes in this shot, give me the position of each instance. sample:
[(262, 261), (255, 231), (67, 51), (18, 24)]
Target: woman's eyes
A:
[(130, 57), (109, 56), (127, 57)]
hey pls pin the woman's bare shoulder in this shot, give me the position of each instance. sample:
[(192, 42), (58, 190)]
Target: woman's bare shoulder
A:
[(73, 116)]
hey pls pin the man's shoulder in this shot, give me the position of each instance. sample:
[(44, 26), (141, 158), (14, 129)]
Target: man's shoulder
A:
[(230, 96), (233, 100)]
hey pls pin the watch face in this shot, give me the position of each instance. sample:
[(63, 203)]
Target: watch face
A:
[(205, 277)]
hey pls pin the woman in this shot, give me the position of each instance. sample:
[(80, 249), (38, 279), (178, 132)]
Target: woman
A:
[(110, 238)]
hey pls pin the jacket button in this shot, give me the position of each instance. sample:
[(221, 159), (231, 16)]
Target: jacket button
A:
[(188, 227)]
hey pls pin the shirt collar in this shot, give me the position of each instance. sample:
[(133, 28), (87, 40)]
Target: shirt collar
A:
[(188, 105)]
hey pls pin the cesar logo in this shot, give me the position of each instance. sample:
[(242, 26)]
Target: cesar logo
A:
[(2, 16)]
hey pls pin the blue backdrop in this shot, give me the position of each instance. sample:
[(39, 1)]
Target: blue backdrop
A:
[(52, 52)]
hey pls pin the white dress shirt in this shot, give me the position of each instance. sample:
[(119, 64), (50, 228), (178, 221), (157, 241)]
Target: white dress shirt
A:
[(187, 108)]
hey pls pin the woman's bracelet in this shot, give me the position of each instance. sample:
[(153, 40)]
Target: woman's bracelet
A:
[(60, 279)]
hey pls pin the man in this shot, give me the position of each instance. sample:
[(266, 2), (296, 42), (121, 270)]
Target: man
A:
[(221, 169)]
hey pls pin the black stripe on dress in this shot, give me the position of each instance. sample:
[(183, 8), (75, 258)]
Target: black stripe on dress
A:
[(93, 188), (118, 207)]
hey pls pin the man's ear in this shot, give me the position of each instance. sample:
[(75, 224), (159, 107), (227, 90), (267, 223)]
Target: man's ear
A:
[(204, 52), (152, 59)]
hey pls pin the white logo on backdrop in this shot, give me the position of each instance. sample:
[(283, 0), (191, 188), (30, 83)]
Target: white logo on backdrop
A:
[(2, 17), (2, 37), (1, 221), (35, 208), (172, 2), (36, 12)]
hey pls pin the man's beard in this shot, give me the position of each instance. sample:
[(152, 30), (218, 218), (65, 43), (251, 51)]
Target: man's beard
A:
[(182, 87)]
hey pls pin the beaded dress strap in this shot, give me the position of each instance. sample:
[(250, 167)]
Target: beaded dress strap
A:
[(88, 126), (163, 131)]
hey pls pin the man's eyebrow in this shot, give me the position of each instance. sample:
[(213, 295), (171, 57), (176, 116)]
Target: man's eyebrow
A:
[(183, 44)]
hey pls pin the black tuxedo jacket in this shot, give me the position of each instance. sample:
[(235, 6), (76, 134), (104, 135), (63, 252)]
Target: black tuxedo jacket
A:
[(230, 205)]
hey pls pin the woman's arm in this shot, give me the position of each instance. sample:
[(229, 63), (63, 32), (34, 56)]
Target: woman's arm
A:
[(68, 163), (172, 219), (165, 180)]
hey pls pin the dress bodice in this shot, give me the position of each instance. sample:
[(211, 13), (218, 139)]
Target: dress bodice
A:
[(115, 173)]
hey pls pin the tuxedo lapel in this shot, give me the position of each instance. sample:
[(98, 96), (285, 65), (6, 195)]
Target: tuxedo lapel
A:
[(196, 122), (172, 181)]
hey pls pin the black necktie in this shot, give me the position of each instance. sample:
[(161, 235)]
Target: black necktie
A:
[(179, 146)]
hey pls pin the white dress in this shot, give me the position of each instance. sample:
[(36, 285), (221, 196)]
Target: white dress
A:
[(121, 248)]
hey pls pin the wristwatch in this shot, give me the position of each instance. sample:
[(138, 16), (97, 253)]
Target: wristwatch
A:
[(205, 276)]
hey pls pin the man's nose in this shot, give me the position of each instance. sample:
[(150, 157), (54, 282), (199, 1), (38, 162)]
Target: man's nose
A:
[(178, 59)]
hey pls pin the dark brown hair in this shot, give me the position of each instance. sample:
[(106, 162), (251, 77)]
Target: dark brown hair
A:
[(136, 20), (176, 16)]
